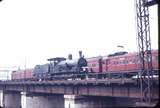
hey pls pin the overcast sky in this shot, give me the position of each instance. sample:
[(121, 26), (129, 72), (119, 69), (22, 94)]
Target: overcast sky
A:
[(35, 30)]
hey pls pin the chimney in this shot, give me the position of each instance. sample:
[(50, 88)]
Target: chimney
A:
[(80, 54), (70, 56)]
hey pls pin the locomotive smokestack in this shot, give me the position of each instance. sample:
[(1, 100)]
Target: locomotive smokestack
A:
[(70, 56), (80, 54)]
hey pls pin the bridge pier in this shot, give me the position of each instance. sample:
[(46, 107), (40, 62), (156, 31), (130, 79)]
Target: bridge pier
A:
[(1, 98), (11, 99), (39, 100), (72, 101)]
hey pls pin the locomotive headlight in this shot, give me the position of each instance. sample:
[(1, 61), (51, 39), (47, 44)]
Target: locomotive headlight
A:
[(85, 68)]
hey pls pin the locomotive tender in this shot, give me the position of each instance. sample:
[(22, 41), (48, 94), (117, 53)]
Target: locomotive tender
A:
[(114, 65)]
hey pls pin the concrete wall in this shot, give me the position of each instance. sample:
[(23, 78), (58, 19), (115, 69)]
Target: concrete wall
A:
[(11, 99), (88, 102), (43, 101)]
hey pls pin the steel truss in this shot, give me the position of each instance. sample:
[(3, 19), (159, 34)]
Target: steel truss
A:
[(144, 45)]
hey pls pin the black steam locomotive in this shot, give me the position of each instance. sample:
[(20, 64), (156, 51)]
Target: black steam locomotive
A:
[(61, 67)]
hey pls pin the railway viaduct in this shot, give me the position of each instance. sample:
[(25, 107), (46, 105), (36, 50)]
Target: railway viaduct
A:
[(45, 94)]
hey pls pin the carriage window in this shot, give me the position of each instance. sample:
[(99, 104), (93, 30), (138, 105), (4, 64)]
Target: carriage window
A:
[(93, 65), (124, 62), (138, 60), (90, 64), (117, 62), (130, 61), (133, 61)]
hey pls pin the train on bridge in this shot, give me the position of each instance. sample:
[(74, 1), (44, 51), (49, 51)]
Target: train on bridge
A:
[(119, 64)]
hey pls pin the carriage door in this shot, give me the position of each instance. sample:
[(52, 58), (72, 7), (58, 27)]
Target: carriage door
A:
[(106, 65), (100, 65)]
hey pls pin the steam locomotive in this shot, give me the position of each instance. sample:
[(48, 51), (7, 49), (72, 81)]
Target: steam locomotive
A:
[(61, 66), (114, 65)]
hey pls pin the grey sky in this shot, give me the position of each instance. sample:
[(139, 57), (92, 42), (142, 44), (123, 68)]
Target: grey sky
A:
[(36, 29)]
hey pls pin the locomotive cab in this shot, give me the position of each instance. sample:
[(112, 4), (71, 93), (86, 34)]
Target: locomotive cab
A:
[(56, 60)]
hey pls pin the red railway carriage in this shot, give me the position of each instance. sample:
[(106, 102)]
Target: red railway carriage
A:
[(124, 63), (22, 74), (128, 62), (94, 64)]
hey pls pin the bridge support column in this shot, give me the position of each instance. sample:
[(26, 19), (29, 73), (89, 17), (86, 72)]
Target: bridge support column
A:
[(1, 98), (11, 99), (72, 101), (42, 101)]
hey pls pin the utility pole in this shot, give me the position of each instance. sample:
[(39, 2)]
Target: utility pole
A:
[(25, 68), (144, 44)]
